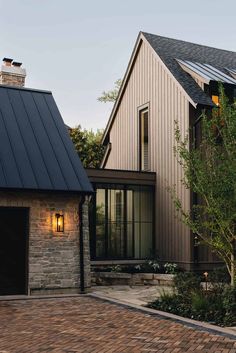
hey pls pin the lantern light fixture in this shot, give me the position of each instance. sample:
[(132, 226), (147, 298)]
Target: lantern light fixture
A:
[(59, 222)]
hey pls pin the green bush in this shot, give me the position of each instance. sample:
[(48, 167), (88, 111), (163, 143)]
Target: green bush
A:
[(207, 306), (218, 278), (186, 283), (229, 304), (171, 268), (171, 303), (217, 305), (200, 302), (219, 275), (131, 269), (149, 266)]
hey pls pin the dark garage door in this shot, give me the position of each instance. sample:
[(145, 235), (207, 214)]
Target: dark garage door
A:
[(13, 250)]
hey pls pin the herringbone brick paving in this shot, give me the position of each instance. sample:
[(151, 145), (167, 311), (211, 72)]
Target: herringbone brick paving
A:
[(85, 325)]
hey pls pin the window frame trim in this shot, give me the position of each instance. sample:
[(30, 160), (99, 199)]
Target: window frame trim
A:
[(140, 109)]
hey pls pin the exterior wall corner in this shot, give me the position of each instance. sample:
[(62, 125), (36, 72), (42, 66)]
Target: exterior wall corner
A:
[(86, 244)]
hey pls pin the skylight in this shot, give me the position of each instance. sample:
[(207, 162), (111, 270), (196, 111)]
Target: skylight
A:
[(206, 72), (232, 72)]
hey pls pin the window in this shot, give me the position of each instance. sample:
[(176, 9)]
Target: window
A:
[(100, 222), (144, 140), (123, 222), (216, 100), (115, 223)]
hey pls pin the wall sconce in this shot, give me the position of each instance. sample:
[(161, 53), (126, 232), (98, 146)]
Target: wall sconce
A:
[(59, 222)]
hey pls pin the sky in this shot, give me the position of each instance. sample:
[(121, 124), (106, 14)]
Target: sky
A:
[(77, 49)]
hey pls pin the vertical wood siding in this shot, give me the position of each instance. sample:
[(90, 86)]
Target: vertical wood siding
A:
[(151, 83)]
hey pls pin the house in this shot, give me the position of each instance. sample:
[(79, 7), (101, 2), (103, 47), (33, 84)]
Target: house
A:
[(166, 80), (44, 190)]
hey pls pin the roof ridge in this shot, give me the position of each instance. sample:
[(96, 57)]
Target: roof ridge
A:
[(26, 89), (185, 41)]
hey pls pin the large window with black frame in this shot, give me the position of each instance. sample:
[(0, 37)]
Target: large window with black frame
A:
[(121, 222)]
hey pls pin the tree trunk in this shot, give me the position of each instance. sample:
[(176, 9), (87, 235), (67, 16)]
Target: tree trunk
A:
[(233, 264)]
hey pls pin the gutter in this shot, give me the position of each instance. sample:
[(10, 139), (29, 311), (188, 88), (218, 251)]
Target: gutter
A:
[(81, 244)]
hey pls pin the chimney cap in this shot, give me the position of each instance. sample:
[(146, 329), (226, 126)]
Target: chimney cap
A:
[(16, 63), (8, 60)]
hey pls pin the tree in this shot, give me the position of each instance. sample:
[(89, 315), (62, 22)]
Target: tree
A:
[(111, 95), (88, 145), (210, 173)]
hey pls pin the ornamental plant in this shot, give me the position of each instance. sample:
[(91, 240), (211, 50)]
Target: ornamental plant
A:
[(210, 173)]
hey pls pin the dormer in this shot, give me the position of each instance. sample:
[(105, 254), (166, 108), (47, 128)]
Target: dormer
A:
[(232, 72), (208, 77)]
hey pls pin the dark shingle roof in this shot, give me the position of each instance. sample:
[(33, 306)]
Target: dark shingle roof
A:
[(171, 49), (36, 151)]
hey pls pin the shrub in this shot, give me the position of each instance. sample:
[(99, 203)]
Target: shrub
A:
[(186, 283), (218, 279), (207, 306), (116, 268), (151, 266), (217, 305), (199, 302), (219, 275), (131, 269), (171, 303), (229, 304), (171, 268)]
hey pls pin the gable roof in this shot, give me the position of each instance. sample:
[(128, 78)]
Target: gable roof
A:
[(170, 51), (36, 152)]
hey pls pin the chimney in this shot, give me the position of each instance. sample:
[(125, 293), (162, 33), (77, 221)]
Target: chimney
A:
[(12, 74)]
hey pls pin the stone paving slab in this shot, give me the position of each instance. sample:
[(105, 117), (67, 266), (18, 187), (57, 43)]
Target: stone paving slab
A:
[(85, 325), (139, 295)]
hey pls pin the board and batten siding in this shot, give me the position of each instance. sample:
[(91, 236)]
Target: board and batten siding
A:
[(151, 83)]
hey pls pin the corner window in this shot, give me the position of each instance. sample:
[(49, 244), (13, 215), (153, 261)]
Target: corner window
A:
[(122, 222), (144, 139)]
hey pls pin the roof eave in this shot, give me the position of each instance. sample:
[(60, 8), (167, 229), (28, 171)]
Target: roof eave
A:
[(170, 73), (140, 39), (51, 191), (123, 86)]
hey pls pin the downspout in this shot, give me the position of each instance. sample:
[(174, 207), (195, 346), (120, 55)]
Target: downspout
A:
[(81, 244)]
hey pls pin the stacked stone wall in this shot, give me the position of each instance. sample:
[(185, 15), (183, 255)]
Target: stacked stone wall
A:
[(53, 257)]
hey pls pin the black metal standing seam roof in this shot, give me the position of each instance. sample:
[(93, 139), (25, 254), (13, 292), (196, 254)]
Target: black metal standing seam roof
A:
[(36, 152), (171, 49)]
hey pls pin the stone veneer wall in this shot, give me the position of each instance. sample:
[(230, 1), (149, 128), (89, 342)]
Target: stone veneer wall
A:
[(54, 258), (87, 264)]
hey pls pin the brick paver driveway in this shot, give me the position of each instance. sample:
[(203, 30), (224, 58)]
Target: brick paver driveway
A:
[(85, 324)]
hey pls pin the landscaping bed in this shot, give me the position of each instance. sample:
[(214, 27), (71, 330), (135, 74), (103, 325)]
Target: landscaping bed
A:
[(210, 299), (148, 273)]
